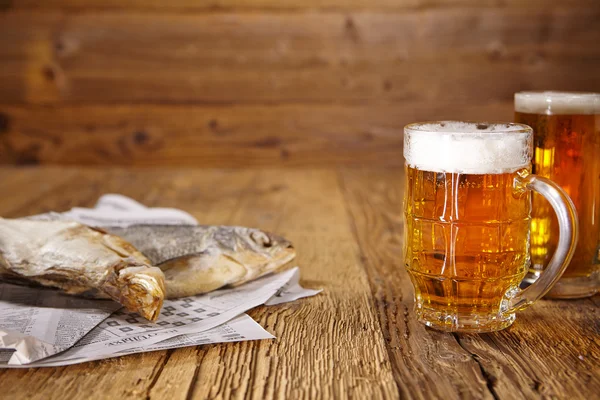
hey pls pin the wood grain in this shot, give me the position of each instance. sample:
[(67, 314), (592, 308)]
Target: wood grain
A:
[(111, 378), (439, 56), (269, 84), (122, 377), (22, 189), (552, 351), (227, 136), (187, 5), (306, 361), (327, 346), (426, 363), (357, 339)]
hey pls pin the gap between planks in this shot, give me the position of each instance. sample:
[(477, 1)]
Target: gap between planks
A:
[(271, 6)]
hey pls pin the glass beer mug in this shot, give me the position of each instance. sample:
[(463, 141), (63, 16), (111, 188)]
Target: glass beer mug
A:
[(467, 209), (566, 132)]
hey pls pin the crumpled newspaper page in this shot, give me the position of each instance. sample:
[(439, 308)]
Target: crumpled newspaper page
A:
[(55, 322), (33, 321)]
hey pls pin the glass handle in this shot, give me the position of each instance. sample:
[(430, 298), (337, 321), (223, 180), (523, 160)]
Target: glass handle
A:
[(568, 233)]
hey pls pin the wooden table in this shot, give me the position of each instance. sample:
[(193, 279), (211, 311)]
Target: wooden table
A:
[(358, 338)]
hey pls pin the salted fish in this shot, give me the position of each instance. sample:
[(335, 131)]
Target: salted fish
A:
[(80, 260), (198, 259)]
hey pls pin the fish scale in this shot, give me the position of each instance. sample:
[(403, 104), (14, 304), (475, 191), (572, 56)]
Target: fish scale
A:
[(161, 243), (199, 258)]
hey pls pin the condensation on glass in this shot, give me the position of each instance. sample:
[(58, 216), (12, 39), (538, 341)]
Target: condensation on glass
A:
[(566, 150), (467, 232)]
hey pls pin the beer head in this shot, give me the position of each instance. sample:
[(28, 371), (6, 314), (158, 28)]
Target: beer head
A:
[(561, 103), (468, 147)]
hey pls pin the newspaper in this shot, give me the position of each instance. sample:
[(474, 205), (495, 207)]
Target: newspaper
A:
[(50, 323), (33, 321), (239, 329), (118, 210), (124, 330)]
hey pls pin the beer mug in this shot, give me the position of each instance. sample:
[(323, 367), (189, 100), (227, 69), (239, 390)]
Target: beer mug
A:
[(467, 210), (566, 135)]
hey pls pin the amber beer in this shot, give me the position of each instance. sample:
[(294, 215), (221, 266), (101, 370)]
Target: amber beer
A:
[(467, 212), (567, 150)]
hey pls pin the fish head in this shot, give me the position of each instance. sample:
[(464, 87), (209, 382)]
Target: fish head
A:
[(275, 247)]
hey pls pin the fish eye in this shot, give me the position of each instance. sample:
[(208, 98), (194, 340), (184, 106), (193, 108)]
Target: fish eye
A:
[(261, 238)]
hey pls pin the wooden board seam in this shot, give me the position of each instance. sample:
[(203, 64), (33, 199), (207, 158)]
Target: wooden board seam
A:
[(160, 365), (397, 7), (489, 378)]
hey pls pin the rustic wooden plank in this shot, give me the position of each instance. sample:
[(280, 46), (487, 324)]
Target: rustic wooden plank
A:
[(431, 55), (98, 380), (211, 196), (187, 5), (27, 58), (228, 136), (327, 346), (216, 194), (22, 189), (550, 352)]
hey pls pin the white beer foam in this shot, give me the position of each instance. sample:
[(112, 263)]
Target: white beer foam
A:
[(557, 103), (468, 147)]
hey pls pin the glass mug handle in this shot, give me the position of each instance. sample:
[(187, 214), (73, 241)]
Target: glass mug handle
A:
[(568, 233)]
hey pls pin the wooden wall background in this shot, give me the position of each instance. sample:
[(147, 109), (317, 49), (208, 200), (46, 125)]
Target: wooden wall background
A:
[(232, 83)]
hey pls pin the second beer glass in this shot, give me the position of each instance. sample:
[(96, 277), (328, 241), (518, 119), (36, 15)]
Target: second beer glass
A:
[(567, 150)]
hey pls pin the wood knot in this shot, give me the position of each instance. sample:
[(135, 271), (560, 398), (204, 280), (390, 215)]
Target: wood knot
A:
[(141, 137), (5, 5), (4, 123), (277, 188), (49, 73), (351, 30), (59, 46), (29, 156), (268, 142), (496, 50), (387, 85)]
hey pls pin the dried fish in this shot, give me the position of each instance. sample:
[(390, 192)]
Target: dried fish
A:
[(80, 260), (197, 259)]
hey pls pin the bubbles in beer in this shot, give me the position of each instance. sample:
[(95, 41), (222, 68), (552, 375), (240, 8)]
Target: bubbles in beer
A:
[(468, 147)]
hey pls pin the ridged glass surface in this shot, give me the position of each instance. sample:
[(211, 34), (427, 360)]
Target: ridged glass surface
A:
[(467, 245)]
